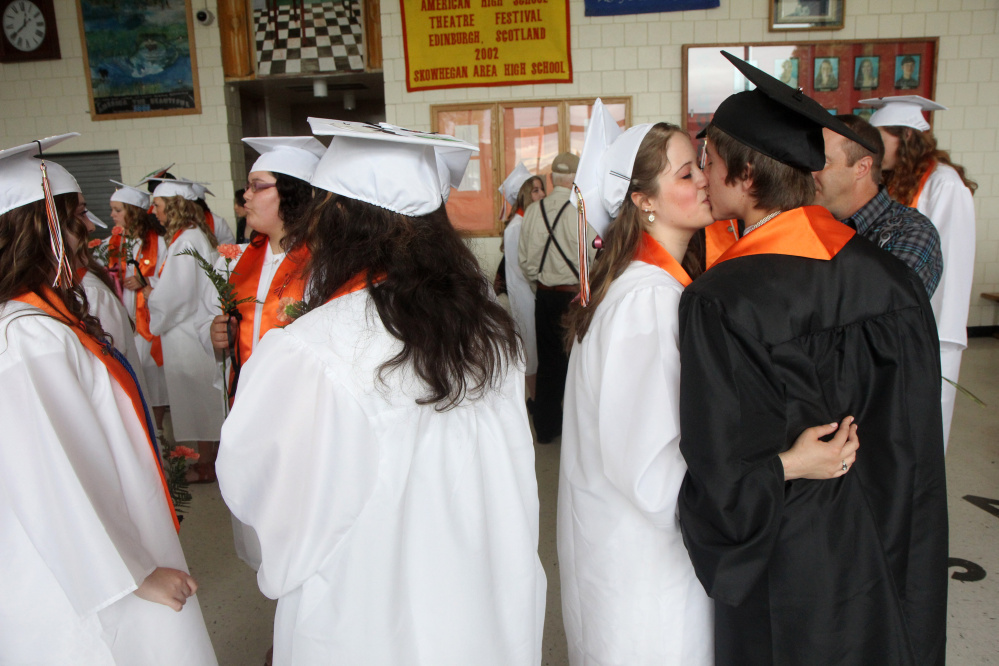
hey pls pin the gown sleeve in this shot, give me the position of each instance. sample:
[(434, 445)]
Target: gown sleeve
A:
[(733, 422), (949, 205), (298, 460), (639, 427)]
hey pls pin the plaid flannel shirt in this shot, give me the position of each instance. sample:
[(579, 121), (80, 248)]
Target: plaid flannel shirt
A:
[(904, 232)]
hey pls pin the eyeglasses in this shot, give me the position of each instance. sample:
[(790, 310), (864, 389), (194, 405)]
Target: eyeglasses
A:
[(255, 186)]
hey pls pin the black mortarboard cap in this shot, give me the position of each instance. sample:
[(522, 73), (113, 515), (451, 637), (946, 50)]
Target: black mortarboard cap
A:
[(778, 121)]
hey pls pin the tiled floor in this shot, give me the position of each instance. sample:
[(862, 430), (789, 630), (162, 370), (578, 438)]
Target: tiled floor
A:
[(332, 40), (239, 617)]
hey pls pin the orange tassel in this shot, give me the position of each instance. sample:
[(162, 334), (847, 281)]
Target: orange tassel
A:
[(64, 273), (584, 260)]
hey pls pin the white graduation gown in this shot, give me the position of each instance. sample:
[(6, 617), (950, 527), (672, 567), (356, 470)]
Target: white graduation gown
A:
[(83, 517), (518, 289), (155, 374), (175, 309), (104, 305), (948, 203), (392, 534), (629, 592)]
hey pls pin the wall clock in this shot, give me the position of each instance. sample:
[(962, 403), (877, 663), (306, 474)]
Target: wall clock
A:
[(28, 31)]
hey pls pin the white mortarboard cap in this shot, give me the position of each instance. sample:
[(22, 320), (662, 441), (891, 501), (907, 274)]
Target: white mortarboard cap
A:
[(152, 175), (511, 186), (21, 175), (902, 111), (131, 195), (181, 187), (96, 220), (606, 165), (295, 156), (201, 189), (405, 171)]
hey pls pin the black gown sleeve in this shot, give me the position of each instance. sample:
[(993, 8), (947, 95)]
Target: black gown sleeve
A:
[(733, 426)]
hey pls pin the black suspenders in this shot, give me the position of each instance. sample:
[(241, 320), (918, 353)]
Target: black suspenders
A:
[(551, 239)]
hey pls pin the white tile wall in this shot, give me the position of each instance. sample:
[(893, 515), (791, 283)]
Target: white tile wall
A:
[(45, 98), (634, 55), (641, 56)]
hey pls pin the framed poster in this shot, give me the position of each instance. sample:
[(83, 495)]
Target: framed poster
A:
[(465, 44), (139, 58), (806, 15), (836, 74)]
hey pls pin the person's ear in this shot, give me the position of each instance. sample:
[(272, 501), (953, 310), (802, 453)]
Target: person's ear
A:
[(862, 169), (641, 200)]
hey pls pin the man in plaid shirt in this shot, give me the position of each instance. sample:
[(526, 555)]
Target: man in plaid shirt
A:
[(850, 187)]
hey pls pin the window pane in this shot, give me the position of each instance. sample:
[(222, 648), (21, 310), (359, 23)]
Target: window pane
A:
[(530, 135), (579, 118), (470, 207)]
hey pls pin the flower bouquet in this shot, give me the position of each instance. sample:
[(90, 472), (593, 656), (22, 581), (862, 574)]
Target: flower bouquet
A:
[(177, 459)]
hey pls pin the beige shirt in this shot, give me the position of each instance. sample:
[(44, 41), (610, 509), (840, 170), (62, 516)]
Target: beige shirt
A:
[(534, 234)]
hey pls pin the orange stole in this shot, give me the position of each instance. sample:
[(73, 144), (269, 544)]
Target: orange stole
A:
[(210, 221), (54, 307), (288, 282), (147, 258), (718, 237), (811, 232), (651, 252), (922, 184)]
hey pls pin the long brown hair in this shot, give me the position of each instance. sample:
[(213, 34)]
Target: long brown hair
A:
[(624, 235), (294, 198), (138, 222), (183, 213), (524, 197), (917, 152), (427, 288), (26, 262)]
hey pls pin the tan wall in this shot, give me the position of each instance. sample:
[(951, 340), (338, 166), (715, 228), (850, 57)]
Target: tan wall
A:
[(39, 99), (640, 55)]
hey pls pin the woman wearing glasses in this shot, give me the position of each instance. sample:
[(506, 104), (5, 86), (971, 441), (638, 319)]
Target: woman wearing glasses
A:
[(270, 268), (175, 309)]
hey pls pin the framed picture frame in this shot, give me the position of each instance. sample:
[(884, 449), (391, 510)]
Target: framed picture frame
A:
[(806, 15), (830, 72), (866, 72), (139, 58), (826, 74)]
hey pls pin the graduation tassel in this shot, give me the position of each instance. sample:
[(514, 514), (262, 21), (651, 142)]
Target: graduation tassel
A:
[(64, 273), (584, 261)]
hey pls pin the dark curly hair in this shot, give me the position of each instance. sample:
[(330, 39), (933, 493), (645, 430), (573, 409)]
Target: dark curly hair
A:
[(294, 195), (917, 154), (430, 293)]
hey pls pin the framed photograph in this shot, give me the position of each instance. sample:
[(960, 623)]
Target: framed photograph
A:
[(865, 72), (806, 15), (826, 74), (786, 69), (139, 58), (907, 71), (812, 67)]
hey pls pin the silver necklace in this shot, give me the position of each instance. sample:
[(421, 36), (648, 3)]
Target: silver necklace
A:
[(763, 221)]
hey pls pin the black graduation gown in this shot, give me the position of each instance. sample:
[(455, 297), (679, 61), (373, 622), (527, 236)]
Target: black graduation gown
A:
[(847, 571)]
